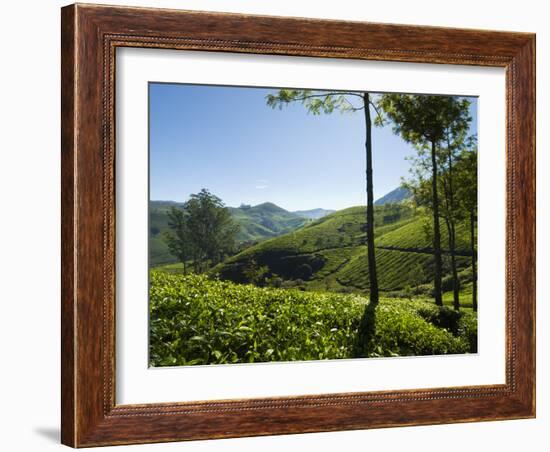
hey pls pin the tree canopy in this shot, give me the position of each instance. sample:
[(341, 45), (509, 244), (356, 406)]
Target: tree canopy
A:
[(202, 231), (437, 127), (420, 119)]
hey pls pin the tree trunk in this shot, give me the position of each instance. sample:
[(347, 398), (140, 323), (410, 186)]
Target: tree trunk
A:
[(182, 258), (373, 278), (474, 259), (452, 230), (456, 282), (437, 232), (196, 264)]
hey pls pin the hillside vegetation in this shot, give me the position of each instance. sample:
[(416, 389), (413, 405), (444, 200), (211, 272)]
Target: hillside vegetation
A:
[(329, 254), (196, 320), (264, 221), (256, 223)]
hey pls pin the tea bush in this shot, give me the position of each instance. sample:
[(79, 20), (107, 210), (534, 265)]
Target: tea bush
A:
[(196, 320)]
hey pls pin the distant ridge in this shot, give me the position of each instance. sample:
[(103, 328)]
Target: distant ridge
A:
[(266, 207), (257, 223), (398, 195), (313, 214)]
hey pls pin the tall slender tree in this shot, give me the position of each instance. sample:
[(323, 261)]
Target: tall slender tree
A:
[(450, 215), (327, 102), (455, 141), (424, 121), (466, 173)]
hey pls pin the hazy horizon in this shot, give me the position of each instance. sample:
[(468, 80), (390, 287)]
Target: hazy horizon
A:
[(265, 202)]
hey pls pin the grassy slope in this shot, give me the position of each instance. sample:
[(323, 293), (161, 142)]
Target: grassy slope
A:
[(334, 247), (195, 320)]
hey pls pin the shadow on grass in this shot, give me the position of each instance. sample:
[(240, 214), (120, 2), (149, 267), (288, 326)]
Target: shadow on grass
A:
[(366, 332)]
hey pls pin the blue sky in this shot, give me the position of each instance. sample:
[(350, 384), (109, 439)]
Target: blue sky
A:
[(226, 139)]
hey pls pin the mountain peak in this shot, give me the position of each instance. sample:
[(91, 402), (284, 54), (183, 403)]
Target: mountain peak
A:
[(269, 206), (397, 195)]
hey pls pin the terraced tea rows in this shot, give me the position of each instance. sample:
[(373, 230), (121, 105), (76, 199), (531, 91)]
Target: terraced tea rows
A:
[(333, 250)]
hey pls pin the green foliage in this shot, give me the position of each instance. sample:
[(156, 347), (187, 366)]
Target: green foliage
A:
[(179, 239), (460, 323), (255, 274), (304, 271), (195, 320), (401, 331), (467, 330), (210, 226), (442, 317), (202, 230), (438, 127), (466, 176), (420, 119), (317, 102)]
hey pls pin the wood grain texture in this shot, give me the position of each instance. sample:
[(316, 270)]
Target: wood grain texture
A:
[(68, 310), (90, 36)]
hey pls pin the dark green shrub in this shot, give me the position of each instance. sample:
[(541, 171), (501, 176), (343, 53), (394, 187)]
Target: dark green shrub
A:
[(467, 329), (401, 332), (441, 316), (304, 272), (275, 281), (447, 283)]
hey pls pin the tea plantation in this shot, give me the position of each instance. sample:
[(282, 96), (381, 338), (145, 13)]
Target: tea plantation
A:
[(330, 254), (198, 320)]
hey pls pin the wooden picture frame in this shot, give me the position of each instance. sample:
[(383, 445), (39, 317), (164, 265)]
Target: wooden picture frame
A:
[(90, 36)]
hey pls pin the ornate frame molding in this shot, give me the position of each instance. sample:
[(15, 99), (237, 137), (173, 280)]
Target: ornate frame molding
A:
[(90, 36)]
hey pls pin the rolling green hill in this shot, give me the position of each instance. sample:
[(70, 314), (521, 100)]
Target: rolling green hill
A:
[(330, 253), (264, 221), (257, 223)]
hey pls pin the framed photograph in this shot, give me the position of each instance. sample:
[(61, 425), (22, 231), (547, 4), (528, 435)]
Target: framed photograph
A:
[(281, 225)]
